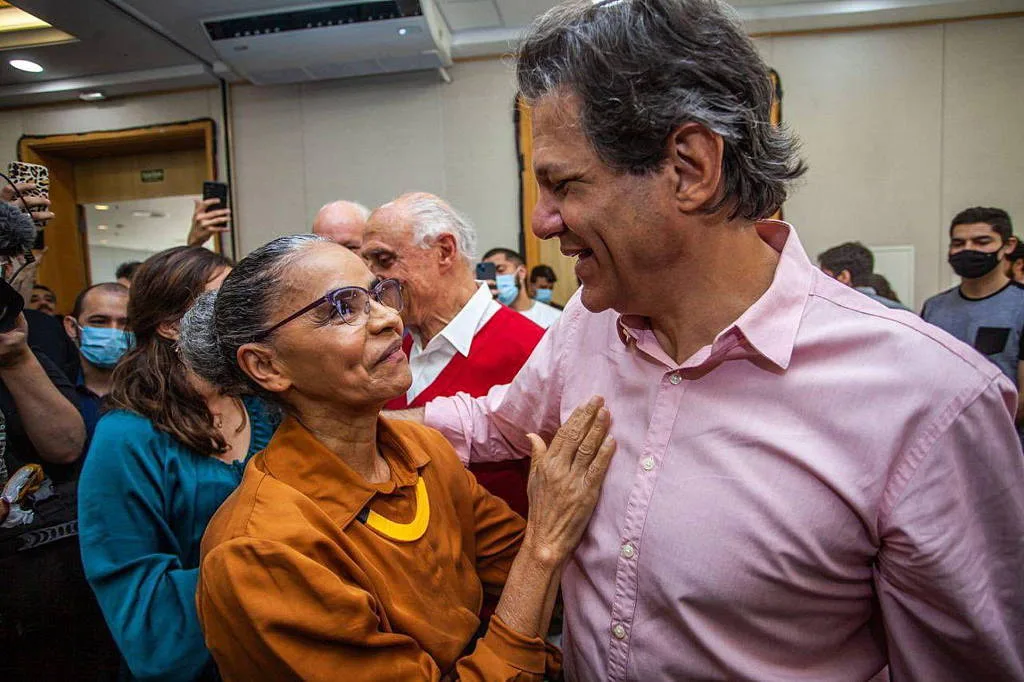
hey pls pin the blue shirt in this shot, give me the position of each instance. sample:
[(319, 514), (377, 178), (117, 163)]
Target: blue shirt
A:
[(887, 302), (89, 405), (144, 501)]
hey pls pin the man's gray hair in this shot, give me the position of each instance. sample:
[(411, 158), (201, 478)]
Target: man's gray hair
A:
[(642, 68), (220, 322), (431, 217)]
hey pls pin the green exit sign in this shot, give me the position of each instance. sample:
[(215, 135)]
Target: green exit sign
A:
[(154, 175)]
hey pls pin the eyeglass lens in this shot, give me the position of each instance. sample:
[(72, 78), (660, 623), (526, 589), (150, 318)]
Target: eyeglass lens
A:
[(353, 303)]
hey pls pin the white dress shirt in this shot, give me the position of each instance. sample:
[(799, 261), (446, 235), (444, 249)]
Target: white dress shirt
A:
[(542, 314), (428, 362)]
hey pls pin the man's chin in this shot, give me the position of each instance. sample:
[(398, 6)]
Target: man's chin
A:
[(594, 299)]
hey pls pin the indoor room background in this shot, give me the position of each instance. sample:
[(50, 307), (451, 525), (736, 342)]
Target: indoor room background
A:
[(902, 127)]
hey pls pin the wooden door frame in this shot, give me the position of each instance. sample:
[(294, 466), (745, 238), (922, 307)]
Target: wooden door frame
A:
[(66, 269)]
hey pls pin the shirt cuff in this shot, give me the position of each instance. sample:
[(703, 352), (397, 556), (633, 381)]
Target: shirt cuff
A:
[(530, 654)]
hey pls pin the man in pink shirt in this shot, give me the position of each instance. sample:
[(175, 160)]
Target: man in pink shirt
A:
[(808, 485)]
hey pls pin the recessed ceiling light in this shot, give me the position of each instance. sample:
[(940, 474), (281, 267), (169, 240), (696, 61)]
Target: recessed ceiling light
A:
[(101, 207), (142, 214), (403, 31), (102, 227), (94, 96), (25, 65)]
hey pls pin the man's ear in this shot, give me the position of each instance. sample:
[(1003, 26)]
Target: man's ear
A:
[(845, 277), (71, 328), (447, 250), (263, 367), (521, 276), (1010, 245), (169, 330), (695, 160)]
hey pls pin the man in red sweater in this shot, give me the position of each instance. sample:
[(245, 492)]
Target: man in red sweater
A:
[(459, 339)]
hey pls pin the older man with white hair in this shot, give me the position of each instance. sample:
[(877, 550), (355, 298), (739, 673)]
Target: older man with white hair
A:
[(460, 339), (343, 223)]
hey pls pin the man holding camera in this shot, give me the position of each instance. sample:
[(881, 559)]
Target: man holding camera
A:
[(50, 626)]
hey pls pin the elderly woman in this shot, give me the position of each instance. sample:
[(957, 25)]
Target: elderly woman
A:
[(357, 547)]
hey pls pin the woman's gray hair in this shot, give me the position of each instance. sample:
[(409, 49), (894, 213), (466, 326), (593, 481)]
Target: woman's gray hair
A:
[(642, 68), (220, 322)]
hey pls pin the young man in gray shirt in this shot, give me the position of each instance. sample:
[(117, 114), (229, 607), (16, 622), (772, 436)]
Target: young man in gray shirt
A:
[(987, 309)]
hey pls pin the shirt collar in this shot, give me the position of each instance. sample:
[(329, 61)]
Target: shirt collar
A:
[(464, 326), (296, 458), (82, 388), (867, 290), (768, 328)]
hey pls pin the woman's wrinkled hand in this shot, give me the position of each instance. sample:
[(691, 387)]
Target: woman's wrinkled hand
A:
[(565, 481)]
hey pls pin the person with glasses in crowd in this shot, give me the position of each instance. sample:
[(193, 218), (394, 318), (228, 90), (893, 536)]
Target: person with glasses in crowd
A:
[(459, 339), (356, 546), (162, 460)]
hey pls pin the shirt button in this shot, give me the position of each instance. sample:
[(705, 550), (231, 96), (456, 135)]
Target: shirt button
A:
[(675, 379), (618, 631), (648, 463), (628, 551)]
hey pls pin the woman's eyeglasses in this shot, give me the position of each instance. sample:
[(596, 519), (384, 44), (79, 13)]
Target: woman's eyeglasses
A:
[(352, 304)]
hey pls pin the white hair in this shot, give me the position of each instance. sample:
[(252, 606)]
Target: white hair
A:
[(431, 217)]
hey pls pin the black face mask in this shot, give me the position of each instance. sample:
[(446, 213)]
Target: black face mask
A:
[(973, 264)]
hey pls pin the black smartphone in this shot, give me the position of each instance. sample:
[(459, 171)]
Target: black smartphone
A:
[(216, 190), (486, 272), (40, 241)]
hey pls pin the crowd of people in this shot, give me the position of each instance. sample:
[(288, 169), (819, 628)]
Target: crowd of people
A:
[(346, 455)]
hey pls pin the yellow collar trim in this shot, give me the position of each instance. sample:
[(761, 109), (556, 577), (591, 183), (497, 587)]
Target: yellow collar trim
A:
[(405, 532)]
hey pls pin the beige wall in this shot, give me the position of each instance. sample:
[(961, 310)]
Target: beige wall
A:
[(368, 140), (902, 127)]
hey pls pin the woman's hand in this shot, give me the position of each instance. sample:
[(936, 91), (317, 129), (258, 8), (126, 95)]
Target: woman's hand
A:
[(565, 481)]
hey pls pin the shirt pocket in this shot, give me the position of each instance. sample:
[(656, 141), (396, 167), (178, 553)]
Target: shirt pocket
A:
[(991, 340)]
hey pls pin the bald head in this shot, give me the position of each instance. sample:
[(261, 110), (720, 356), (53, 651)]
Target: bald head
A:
[(343, 223)]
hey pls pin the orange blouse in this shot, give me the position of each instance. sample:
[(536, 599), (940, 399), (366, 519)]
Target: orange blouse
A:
[(296, 583)]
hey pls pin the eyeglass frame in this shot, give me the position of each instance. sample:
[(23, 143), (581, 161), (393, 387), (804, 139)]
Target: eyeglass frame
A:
[(372, 294)]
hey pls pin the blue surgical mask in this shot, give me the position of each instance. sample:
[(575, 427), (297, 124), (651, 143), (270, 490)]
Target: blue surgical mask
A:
[(543, 295), (104, 346), (507, 288)]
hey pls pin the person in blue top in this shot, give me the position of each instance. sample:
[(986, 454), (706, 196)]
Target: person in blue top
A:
[(162, 460)]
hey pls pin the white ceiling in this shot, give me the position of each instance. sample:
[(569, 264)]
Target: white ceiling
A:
[(128, 46), (118, 228)]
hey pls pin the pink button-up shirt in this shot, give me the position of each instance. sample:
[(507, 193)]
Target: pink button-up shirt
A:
[(829, 487)]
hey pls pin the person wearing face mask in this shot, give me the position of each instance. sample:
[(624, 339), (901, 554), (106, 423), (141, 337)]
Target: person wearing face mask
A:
[(542, 285), (985, 310), (97, 325), (512, 290)]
